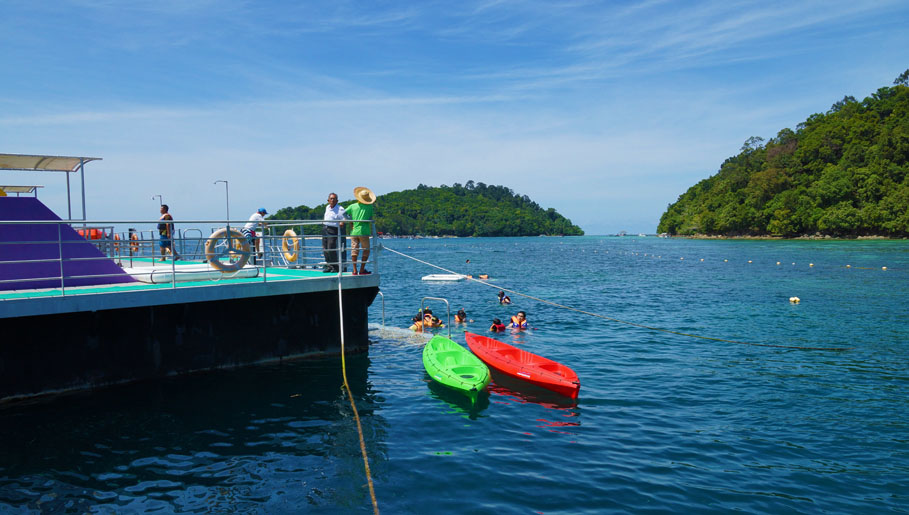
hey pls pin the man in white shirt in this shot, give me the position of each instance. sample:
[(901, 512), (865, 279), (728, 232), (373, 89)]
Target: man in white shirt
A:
[(249, 230), (334, 221)]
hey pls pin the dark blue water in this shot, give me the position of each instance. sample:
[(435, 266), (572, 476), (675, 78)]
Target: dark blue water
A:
[(664, 422)]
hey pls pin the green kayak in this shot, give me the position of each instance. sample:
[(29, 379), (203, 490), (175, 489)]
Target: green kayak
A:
[(455, 367)]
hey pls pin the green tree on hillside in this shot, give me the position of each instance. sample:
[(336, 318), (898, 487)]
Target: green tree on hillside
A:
[(840, 173), (474, 209)]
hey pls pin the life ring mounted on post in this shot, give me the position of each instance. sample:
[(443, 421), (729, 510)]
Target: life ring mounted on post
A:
[(290, 242), (236, 247)]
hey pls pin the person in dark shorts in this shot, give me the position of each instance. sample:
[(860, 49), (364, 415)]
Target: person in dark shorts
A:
[(166, 234)]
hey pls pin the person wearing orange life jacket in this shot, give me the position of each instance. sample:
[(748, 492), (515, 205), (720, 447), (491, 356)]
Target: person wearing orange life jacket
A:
[(497, 326), (519, 321), (427, 322)]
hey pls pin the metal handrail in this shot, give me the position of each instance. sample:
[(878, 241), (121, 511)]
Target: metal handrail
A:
[(447, 306), (383, 306), (144, 246)]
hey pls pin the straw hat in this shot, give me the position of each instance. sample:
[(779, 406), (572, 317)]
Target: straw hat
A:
[(364, 195)]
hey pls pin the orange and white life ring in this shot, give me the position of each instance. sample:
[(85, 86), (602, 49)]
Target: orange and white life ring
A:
[(116, 243), (289, 243), (134, 242), (238, 247)]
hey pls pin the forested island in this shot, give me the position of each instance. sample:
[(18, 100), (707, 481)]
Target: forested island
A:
[(474, 209), (842, 173)]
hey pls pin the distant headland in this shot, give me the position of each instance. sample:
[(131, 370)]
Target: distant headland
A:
[(474, 209), (840, 174)]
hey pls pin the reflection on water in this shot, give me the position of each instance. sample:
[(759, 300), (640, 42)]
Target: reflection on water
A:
[(511, 389), (663, 423), (228, 440), (457, 402)]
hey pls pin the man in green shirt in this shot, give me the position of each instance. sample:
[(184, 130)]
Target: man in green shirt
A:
[(359, 235)]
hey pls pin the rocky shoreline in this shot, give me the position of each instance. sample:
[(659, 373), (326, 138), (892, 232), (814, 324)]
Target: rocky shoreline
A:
[(768, 237)]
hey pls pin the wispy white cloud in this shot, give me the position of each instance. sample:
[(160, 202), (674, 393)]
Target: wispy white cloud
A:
[(569, 102)]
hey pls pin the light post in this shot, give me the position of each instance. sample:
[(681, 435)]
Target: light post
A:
[(227, 197), (160, 199)]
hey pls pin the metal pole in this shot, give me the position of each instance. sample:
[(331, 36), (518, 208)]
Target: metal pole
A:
[(340, 256), (69, 200), (230, 240), (82, 175), (383, 307), (447, 307), (60, 250), (227, 197), (160, 199)]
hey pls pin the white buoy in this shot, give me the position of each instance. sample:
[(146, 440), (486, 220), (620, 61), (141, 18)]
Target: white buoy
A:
[(794, 300), (848, 266), (883, 268), (702, 259), (777, 263), (725, 261), (810, 264), (749, 261)]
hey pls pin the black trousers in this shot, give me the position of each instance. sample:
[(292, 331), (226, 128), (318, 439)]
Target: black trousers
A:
[(330, 247)]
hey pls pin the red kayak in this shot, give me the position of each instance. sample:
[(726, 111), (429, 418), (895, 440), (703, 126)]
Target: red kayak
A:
[(524, 365)]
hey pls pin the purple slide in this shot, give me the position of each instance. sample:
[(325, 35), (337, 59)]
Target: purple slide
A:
[(47, 275)]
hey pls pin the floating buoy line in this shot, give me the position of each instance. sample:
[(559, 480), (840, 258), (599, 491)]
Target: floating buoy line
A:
[(604, 317), (702, 260)]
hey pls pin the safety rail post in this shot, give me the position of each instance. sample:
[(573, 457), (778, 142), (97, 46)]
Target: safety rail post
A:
[(447, 306), (60, 250), (374, 245), (173, 261), (264, 256), (383, 306), (339, 256)]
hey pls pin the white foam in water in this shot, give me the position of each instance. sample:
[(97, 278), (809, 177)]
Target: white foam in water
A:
[(398, 335)]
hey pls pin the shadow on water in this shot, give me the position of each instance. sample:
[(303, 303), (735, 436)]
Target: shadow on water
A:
[(519, 391), (458, 402), (213, 441)]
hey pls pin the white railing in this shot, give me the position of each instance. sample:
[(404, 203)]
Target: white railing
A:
[(139, 245)]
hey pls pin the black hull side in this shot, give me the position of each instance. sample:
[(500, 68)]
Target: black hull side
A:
[(81, 350)]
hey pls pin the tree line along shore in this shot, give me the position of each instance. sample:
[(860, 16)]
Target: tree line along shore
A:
[(839, 174), (472, 209)]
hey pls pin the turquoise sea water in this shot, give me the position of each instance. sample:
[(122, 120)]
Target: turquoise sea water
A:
[(663, 423)]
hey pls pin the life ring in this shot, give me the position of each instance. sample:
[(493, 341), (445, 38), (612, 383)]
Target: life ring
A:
[(288, 242), (117, 243), (134, 243), (239, 248)]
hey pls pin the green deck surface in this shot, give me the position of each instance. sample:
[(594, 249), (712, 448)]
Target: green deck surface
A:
[(273, 274)]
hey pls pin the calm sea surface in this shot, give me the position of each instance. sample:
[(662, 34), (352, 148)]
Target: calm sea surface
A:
[(664, 422)]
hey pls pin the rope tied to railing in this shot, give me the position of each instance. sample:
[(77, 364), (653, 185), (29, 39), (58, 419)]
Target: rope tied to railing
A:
[(353, 405)]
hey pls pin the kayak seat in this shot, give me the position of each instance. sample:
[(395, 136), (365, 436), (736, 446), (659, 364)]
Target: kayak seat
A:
[(514, 354), (552, 367), (447, 358), (465, 372)]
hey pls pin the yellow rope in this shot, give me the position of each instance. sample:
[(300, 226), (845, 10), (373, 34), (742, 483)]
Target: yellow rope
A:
[(353, 406), (544, 301)]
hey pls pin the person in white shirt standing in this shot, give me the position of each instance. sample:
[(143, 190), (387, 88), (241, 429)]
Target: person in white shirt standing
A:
[(249, 230), (334, 221)]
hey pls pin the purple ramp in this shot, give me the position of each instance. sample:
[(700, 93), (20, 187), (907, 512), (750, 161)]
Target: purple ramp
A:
[(22, 242)]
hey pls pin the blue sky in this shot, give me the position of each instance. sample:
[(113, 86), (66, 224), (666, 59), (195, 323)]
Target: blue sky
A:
[(606, 111)]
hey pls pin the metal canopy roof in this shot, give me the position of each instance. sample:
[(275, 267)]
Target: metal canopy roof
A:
[(18, 189), (43, 163)]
